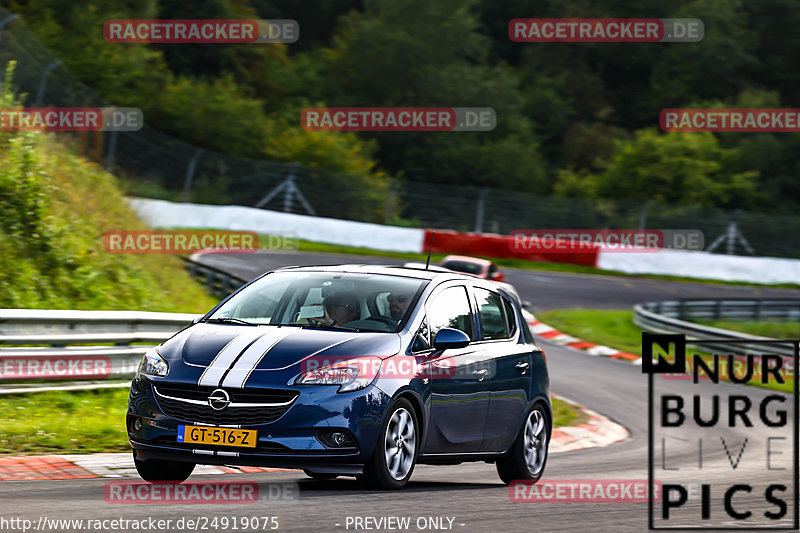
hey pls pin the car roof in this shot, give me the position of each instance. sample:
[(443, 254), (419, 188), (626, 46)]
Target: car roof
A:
[(388, 270), (468, 259)]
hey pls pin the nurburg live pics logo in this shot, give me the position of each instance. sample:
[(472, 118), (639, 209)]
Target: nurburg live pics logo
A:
[(724, 452)]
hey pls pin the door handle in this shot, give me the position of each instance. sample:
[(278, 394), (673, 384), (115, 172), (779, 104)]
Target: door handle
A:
[(480, 373), (522, 366)]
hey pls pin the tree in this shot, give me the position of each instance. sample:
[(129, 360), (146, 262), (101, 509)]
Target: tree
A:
[(688, 168)]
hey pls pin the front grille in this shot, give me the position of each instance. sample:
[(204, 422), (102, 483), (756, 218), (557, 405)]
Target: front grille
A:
[(175, 401)]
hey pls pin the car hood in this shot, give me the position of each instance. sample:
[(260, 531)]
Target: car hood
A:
[(229, 348)]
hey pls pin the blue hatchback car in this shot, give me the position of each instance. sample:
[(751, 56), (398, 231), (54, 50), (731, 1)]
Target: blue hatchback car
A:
[(349, 370)]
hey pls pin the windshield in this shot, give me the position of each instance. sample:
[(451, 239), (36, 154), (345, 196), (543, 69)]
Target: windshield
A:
[(325, 300)]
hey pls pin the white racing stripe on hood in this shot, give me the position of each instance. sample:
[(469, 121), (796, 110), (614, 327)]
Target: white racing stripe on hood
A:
[(227, 355), (251, 358)]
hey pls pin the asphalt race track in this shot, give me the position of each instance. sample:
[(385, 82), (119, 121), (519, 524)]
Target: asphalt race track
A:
[(471, 493)]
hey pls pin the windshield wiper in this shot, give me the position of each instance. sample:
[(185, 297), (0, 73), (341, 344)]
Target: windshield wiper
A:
[(229, 320), (321, 326)]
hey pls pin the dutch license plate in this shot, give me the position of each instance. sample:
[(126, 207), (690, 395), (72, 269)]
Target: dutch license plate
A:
[(243, 438)]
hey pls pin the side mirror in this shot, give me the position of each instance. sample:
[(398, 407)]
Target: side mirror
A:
[(448, 338)]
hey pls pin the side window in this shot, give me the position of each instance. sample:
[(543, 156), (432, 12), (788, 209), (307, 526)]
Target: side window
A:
[(421, 339), (450, 309), (511, 317), (493, 320)]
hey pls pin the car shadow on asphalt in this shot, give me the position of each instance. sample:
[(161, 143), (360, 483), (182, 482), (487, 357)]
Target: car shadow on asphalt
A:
[(355, 486)]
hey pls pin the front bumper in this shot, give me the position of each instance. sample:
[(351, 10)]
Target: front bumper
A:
[(291, 441)]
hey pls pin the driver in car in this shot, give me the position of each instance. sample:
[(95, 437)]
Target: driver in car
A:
[(398, 303), (339, 310)]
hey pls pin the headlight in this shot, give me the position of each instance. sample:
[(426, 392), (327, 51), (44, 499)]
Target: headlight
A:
[(152, 364), (350, 375)]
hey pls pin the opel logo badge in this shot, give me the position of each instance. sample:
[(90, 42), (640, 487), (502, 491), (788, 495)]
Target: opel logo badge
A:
[(219, 400)]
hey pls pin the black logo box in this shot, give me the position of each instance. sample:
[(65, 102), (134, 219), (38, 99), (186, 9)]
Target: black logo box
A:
[(679, 342)]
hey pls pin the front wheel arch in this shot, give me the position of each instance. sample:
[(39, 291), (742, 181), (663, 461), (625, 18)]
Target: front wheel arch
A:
[(419, 411)]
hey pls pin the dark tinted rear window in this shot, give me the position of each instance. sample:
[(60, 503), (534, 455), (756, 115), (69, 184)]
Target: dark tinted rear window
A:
[(463, 266)]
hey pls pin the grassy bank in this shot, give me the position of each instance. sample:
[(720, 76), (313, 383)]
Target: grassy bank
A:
[(54, 209), (94, 421), (611, 328)]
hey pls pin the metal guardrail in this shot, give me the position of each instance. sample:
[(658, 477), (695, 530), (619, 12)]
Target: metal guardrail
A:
[(61, 338), (735, 309), (218, 282), (670, 317), (73, 349)]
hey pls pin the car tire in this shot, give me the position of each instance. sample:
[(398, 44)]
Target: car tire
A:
[(528, 455), (319, 475), (395, 455), (159, 471)]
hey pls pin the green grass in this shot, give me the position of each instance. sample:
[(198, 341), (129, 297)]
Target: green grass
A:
[(775, 330), (611, 328), (615, 329), (566, 414), (55, 207), (94, 421), (64, 422)]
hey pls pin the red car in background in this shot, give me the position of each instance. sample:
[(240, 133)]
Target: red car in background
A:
[(482, 268)]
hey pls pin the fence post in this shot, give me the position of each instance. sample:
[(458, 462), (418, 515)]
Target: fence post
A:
[(6, 21), (643, 214), (387, 216), (43, 82), (479, 210), (112, 149), (187, 182)]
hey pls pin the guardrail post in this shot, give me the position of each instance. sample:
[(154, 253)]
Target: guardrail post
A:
[(718, 310), (758, 309)]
